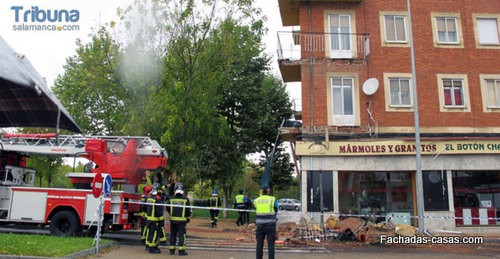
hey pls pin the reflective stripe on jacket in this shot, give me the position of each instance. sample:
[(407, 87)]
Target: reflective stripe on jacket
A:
[(214, 201), (153, 211), (239, 201), (179, 214), (265, 209)]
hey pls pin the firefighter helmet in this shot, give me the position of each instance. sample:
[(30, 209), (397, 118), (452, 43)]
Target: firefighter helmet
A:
[(146, 189), (178, 188), (156, 188)]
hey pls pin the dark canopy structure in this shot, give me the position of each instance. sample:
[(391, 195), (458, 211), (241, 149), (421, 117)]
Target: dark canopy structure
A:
[(25, 98)]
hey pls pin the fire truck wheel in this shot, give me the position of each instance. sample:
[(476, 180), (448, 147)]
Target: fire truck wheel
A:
[(64, 223)]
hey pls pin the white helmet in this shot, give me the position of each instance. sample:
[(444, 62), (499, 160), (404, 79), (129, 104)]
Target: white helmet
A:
[(179, 188)]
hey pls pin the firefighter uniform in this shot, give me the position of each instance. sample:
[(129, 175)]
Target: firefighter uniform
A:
[(214, 202), (142, 212), (162, 233), (266, 208), (154, 216), (179, 217)]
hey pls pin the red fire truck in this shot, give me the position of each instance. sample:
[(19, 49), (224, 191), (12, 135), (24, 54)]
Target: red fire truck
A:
[(69, 211)]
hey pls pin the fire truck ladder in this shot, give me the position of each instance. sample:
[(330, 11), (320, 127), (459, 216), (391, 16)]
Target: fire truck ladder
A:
[(70, 145)]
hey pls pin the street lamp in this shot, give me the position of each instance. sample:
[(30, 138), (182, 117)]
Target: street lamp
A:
[(418, 176)]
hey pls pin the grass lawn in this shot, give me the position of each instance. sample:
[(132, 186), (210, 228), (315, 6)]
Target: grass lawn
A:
[(41, 245)]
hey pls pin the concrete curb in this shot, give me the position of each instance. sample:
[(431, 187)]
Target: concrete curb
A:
[(90, 251)]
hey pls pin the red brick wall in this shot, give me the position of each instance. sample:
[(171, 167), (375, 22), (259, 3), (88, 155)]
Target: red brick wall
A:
[(429, 62)]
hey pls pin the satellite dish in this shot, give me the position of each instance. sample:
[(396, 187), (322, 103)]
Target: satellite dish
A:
[(370, 86)]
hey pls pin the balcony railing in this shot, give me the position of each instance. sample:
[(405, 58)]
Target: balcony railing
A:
[(293, 45)]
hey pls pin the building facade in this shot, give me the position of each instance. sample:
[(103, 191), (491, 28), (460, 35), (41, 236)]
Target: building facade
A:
[(357, 148)]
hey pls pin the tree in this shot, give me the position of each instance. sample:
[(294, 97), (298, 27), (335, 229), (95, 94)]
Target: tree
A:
[(281, 170), (46, 167), (90, 87), (276, 107)]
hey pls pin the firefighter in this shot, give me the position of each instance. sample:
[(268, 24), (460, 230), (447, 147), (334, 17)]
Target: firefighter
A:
[(154, 215), (214, 202), (162, 233), (266, 208), (142, 212), (239, 203), (179, 217)]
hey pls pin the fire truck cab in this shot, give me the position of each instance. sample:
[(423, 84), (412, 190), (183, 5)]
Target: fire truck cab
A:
[(70, 211)]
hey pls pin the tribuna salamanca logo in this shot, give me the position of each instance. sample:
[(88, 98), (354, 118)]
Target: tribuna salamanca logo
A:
[(40, 19), (35, 14)]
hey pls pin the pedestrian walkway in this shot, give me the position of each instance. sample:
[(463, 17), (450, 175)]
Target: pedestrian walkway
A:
[(134, 252), (231, 241)]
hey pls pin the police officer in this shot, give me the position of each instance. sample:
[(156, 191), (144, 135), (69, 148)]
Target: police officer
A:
[(154, 215), (179, 217), (239, 203), (214, 202), (142, 212), (266, 208)]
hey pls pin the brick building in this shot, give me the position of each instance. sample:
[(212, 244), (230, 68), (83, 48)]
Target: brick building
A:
[(358, 141)]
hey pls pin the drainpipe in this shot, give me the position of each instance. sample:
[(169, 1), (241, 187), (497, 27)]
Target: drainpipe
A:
[(311, 66)]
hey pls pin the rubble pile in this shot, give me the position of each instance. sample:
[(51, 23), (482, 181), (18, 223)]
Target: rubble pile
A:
[(351, 229)]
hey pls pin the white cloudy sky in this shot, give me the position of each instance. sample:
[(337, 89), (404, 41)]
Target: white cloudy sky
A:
[(48, 51)]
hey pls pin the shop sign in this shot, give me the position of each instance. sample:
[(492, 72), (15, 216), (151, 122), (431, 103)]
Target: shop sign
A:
[(397, 147)]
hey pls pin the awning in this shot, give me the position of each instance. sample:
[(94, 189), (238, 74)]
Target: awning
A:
[(25, 98)]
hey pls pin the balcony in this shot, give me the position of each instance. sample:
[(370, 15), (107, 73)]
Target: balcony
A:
[(294, 46), (289, 9)]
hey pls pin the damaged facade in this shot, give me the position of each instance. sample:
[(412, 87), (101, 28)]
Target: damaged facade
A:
[(357, 139)]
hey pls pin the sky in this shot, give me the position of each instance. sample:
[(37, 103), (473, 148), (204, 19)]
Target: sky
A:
[(48, 50)]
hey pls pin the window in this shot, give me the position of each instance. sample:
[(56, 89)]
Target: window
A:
[(343, 100), (378, 194), (475, 189), (493, 93), (400, 94), (342, 95), (490, 92), (487, 31), (453, 92), (340, 39), (340, 29), (447, 30), (395, 28)]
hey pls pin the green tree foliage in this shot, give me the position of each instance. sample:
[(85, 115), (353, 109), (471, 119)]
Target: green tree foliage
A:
[(281, 170), (61, 181), (90, 88), (47, 168)]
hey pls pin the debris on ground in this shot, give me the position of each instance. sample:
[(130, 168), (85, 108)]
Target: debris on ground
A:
[(405, 230), (354, 224), (334, 231), (351, 229), (356, 233)]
